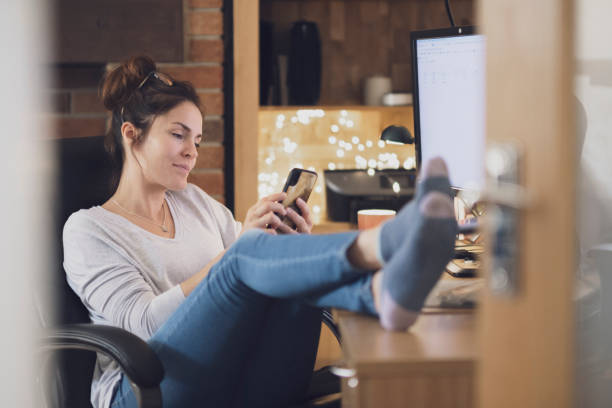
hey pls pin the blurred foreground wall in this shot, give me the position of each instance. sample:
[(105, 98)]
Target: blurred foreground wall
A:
[(25, 209)]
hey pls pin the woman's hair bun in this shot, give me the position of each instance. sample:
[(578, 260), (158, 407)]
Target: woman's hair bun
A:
[(122, 81)]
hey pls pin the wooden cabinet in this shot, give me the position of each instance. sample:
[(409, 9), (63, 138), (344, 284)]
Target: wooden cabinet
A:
[(431, 365)]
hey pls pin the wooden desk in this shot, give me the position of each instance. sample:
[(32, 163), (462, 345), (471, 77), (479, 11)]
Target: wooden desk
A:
[(331, 227), (431, 365)]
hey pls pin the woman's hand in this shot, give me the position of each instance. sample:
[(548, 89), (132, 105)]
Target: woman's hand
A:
[(303, 223), (263, 215), (266, 215)]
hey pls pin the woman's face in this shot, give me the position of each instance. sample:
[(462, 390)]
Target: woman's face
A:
[(169, 150)]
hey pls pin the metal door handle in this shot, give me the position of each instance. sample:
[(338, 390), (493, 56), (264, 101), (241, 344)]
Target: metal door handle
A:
[(505, 198)]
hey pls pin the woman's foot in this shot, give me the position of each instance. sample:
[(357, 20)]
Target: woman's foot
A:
[(433, 177), (421, 252)]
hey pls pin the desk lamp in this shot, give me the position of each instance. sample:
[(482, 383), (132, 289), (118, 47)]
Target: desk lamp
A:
[(396, 135)]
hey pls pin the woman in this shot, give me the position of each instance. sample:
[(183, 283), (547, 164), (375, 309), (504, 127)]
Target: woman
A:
[(233, 313)]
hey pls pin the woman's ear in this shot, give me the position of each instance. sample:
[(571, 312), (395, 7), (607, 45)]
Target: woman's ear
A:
[(129, 133)]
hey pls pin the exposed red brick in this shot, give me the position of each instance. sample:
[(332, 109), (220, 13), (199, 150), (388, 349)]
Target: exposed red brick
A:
[(199, 76), (204, 50), (213, 131), (77, 127), (205, 22), (210, 157), (209, 181), (212, 102), (206, 3), (87, 102)]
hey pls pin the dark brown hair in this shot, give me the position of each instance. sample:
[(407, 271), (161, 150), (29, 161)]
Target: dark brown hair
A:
[(127, 102)]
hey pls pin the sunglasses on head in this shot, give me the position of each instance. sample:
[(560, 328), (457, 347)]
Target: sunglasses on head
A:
[(165, 79), (157, 75)]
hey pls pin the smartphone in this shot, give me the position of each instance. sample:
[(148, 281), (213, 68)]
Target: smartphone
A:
[(299, 184)]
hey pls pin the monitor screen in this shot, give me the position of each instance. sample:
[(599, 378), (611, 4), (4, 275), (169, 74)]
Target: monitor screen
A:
[(449, 101)]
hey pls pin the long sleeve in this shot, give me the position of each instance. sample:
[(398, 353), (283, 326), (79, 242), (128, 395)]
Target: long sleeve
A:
[(130, 278), (229, 229), (110, 285)]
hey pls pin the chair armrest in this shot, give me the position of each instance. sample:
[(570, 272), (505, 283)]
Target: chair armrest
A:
[(135, 356), (328, 319)]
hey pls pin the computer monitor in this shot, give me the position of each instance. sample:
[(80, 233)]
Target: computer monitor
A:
[(449, 101)]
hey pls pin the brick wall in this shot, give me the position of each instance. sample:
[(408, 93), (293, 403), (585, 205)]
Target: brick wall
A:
[(203, 67), (77, 110)]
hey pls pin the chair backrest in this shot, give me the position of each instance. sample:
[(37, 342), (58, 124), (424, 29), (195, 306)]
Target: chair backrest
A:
[(83, 180)]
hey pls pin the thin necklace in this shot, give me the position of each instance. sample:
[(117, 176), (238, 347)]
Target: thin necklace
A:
[(163, 224)]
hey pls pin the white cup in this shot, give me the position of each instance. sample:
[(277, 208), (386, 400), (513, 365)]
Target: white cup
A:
[(374, 89)]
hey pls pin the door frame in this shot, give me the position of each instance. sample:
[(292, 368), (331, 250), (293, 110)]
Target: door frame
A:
[(246, 103)]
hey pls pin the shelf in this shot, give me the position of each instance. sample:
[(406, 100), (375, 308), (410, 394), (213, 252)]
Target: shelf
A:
[(334, 107)]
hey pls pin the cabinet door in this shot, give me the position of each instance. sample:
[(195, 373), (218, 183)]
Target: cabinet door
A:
[(526, 338)]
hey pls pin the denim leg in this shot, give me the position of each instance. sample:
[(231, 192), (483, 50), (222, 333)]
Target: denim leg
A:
[(279, 371), (206, 344), (292, 266), (355, 296), (123, 396), (279, 368)]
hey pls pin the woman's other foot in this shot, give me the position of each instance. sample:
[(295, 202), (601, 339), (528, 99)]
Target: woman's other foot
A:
[(427, 245)]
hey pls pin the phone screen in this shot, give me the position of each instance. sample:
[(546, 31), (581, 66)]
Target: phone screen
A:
[(299, 185)]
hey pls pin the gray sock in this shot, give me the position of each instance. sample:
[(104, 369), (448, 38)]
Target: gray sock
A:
[(416, 266), (392, 232)]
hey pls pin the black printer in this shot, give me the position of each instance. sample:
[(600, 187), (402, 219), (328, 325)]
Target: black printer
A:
[(348, 191)]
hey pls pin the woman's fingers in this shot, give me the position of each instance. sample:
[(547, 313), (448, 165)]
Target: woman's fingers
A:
[(268, 211), (305, 210), (270, 220), (268, 206), (285, 229), (269, 203), (274, 222), (300, 223), (261, 214), (275, 197)]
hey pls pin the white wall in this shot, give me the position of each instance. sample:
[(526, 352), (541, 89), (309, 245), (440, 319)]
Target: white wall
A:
[(594, 221), (24, 206)]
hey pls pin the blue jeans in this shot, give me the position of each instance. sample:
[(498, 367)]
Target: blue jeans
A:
[(247, 335)]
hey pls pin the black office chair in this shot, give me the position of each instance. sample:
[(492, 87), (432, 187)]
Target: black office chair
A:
[(69, 340)]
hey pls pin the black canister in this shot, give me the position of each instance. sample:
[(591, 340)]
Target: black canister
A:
[(304, 72), (269, 83)]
